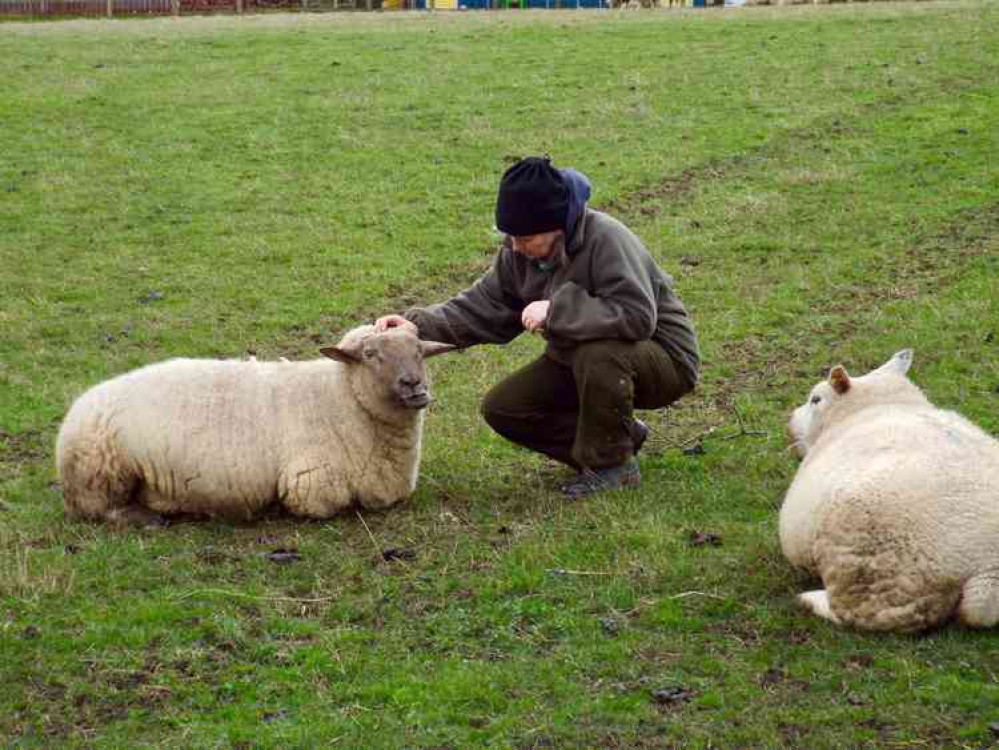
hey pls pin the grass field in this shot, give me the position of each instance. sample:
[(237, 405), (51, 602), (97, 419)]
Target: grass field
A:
[(823, 184)]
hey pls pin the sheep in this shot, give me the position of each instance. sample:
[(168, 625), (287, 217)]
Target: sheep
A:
[(228, 438), (895, 505)]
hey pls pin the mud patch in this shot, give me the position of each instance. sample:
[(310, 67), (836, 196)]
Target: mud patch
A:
[(793, 734), (740, 631), (109, 696), (650, 201), (20, 448), (671, 697), (758, 363), (704, 538), (776, 679)]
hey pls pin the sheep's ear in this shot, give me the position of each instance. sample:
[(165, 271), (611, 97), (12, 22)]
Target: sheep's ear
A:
[(433, 348), (340, 354), (839, 379), (899, 363)]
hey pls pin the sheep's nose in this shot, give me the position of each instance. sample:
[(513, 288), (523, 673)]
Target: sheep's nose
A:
[(409, 381)]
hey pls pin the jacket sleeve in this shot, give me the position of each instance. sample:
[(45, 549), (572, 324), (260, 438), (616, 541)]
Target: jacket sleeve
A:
[(485, 313), (622, 303)]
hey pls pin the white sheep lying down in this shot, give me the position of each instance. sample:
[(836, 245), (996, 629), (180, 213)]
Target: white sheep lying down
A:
[(229, 437), (895, 505)]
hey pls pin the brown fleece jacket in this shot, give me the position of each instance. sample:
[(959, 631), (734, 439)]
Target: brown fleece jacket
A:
[(604, 285)]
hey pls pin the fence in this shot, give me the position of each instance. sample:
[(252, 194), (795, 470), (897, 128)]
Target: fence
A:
[(122, 8)]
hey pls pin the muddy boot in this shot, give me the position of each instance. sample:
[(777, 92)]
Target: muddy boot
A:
[(613, 478)]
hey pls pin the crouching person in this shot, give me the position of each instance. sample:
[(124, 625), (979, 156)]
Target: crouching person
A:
[(618, 336)]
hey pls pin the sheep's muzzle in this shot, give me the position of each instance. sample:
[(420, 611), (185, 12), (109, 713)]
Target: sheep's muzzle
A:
[(416, 400), (411, 390)]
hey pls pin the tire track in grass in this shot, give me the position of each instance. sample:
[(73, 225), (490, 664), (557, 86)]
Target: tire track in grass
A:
[(781, 355), (934, 263), (781, 358), (634, 207)]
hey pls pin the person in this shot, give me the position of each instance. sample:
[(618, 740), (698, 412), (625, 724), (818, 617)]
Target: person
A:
[(618, 337)]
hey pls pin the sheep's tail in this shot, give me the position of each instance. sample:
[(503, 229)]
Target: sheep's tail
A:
[(96, 483)]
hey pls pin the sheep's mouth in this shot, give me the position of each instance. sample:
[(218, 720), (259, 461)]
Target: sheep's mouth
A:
[(797, 449), (415, 400), (795, 444)]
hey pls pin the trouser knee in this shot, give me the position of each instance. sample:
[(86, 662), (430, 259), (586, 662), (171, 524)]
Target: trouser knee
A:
[(636, 374), (500, 412), (604, 368)]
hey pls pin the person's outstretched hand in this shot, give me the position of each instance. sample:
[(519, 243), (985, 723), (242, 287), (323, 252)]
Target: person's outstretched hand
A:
[(394, 321)]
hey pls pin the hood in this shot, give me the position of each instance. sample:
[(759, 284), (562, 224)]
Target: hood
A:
[(578, 188)]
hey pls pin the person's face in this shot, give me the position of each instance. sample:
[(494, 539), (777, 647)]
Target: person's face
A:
[(535, 246)]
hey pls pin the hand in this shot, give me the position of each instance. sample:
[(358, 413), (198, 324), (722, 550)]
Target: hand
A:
[(534, 315), (394, 321)]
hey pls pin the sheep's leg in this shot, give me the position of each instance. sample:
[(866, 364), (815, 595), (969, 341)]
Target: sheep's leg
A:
[(979, 606), (817, 602), (381, 500), (309, 489), (96, 484), (384, 485)]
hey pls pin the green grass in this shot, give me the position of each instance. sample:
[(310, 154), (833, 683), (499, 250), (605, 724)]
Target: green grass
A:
[(822, 183)]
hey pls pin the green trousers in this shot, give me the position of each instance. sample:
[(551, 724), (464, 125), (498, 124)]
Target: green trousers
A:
[(581, 414)]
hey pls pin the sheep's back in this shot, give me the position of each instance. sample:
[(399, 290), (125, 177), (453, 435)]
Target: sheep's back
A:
[(200, 432)]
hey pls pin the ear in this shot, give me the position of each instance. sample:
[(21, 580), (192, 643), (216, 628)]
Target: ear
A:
[(340, 354), (899, 363), (433, 348), (839, 379)]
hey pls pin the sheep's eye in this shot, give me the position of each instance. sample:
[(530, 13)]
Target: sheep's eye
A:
[(816, 399), (370, 353)]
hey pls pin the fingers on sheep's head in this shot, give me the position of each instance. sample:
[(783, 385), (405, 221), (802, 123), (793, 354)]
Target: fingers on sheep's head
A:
[(395, 360), (809, 419)]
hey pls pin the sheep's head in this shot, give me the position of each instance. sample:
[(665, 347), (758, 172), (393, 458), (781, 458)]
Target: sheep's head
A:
[(840, 394), (394, 360)]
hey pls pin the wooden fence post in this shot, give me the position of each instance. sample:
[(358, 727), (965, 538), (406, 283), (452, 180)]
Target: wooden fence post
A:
[(239, 6), (110, 7)]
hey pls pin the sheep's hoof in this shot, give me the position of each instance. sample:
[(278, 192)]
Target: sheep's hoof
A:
[(137, 517)]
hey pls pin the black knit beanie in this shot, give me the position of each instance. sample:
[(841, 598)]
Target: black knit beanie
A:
[(532, 198)]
